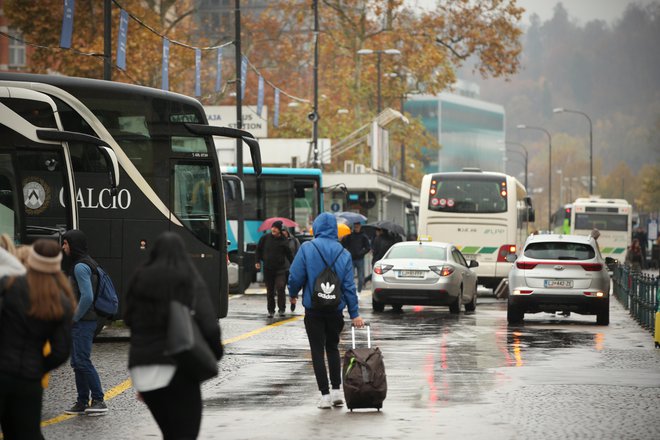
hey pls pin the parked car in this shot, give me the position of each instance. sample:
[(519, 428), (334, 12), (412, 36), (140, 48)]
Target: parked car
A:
[(424, 273), (559, 273)]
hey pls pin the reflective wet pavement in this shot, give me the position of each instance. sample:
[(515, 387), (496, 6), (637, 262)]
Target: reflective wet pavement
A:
[(467, 376)]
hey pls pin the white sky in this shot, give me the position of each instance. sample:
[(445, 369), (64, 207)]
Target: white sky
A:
[(582, 10)]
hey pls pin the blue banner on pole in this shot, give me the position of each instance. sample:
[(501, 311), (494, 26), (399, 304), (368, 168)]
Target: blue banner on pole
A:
[(198, 74), (260, 96), (67, 24), (218, 71), (276, 114), (165, 83), (244, 66), (121, 42)]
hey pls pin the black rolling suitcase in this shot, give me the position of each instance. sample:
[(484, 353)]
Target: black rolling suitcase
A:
[(365, 382)]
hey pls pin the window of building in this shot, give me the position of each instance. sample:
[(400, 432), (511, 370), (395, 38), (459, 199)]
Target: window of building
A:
[(16, 51)]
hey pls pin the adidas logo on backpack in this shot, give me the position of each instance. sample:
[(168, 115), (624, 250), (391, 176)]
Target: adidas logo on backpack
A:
[(326, 295)]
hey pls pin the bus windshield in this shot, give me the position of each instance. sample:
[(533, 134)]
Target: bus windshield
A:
[(465, 194), (602, 222)]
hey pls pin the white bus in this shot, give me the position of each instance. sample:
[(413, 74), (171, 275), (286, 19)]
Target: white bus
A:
[(485, 214), (612, 218)]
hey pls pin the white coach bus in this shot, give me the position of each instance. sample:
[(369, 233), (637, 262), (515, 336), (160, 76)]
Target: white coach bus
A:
[(612, 218), (485, 214)]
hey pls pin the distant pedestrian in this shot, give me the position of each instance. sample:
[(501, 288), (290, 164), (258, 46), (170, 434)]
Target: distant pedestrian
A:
[(634, 255), (357, 243), (643, 238), (81, 272), (273, 249), (37, 307), (324, 328), (294, 245), (173, 398)]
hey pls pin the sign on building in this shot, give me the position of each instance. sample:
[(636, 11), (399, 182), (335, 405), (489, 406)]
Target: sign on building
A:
[(225, 116)]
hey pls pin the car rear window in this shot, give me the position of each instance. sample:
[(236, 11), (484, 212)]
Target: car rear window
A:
[(427, 252), (560, 251)]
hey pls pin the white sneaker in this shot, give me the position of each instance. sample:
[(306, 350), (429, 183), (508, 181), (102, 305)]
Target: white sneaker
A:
[(325, 402), (336, 398)]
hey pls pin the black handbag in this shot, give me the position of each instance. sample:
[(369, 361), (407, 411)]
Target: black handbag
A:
[(186, 344)]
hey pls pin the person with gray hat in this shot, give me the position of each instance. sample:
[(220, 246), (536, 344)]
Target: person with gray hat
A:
[(273, 249)]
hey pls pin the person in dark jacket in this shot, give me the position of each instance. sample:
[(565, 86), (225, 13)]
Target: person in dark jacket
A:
[(174, 398), (273, 249), (81, 272), (357, 243), (323, 328), (37, 307)]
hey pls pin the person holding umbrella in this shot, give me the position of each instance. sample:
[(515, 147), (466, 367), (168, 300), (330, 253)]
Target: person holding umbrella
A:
[(273, 249), (357, 243)]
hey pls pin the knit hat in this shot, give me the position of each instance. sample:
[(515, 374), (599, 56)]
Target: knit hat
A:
[(44, 264), (277, 224)]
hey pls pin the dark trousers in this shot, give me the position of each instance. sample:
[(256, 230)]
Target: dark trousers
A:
[(87, 378), (20, 408), (177, 408), (275, 284), (323, 333)]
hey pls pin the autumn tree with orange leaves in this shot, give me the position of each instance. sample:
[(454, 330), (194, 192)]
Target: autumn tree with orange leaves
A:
[(279, 43)]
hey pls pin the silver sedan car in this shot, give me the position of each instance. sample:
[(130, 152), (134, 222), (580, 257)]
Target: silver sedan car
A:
[(559, 273), (424, 273)]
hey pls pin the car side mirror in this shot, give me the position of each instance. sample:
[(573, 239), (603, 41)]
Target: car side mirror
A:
[(473, 263), (610, 261), (511, 258)]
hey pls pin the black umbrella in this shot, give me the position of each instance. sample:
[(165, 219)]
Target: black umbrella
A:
[(390, 227)]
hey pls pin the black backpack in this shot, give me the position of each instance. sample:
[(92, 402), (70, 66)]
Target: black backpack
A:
[(326, 295)]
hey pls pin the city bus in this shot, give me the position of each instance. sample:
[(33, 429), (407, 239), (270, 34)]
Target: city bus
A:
[(485, 214), (293, 193), (34, 163), (170, 177), (561, 220), (612, 218)]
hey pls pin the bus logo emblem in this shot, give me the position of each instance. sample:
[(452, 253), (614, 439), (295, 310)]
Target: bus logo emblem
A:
[(36, 194)]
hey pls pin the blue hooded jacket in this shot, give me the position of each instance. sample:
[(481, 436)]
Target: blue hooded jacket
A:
[(307, 265)]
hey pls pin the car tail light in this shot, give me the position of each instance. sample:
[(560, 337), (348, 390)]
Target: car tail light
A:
[(522, 292), (505, 251), (443, 271), (592, 267), (525, 265), (380, 269), (598, 294)]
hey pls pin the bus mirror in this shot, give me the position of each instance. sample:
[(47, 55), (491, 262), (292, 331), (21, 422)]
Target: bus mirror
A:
[(528, 201), (511, 258), (234, 188), (113, 168), (531, 215), (245, 136), (104, 148)]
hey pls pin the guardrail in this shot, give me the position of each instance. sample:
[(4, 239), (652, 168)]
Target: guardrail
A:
[(638, 292)]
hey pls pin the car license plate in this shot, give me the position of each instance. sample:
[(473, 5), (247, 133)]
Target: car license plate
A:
[(411, 273), (559, 283)]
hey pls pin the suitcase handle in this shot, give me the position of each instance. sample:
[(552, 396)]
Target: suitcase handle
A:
[(366, 324)]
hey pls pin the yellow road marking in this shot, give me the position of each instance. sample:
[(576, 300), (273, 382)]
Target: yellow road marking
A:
[(127, 384)]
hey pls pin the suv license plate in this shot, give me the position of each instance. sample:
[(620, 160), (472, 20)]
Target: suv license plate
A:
[(559, 283), (411, 273)]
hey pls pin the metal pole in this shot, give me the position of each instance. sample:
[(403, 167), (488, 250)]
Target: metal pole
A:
[(591, 158), (315, 114), (107, 40), (378, 54), (240, 239)]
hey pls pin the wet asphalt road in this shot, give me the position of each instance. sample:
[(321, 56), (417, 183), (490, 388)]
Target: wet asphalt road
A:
[(467, 376)]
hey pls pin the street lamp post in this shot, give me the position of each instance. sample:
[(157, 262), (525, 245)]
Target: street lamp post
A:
[(521, 126), (378, 60), (523, 153), (591, 144)]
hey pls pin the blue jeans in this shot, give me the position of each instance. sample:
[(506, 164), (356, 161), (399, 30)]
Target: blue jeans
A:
[(87, 379), (359, 265)]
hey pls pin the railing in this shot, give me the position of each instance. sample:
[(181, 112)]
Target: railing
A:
[(638, 292)]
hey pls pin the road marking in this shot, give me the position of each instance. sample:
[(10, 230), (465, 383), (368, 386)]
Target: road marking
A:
[(127, 384)]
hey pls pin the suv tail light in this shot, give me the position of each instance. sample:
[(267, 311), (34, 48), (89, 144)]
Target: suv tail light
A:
[(525, 265), (592, 267), (443, 271), (380, 269), (505, 251)]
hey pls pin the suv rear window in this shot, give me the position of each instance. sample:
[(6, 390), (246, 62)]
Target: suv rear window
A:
[(559, 250)]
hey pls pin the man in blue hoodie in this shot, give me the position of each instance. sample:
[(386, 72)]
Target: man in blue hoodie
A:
[(323, 328)]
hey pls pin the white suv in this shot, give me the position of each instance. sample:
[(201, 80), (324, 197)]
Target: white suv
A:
[(559, 273)]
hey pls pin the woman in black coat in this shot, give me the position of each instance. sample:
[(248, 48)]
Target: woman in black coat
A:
[(36, 307), (167, 275)]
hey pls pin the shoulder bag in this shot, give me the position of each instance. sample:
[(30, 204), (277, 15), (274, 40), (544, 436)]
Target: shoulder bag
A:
[(186, 344)]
